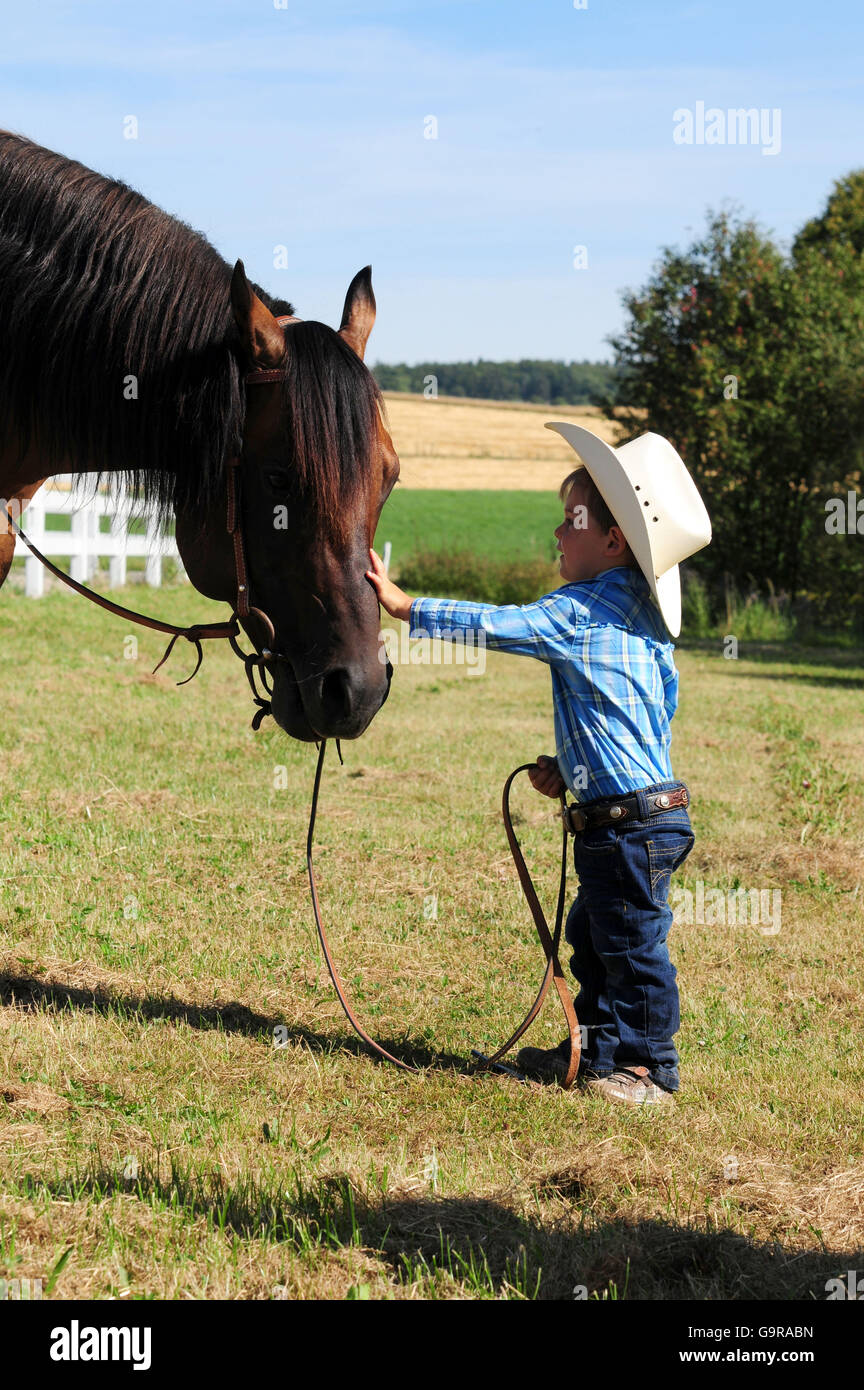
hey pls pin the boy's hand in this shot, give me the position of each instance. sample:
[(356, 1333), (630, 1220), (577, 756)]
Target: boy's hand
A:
[(390, 596), (546, 778)]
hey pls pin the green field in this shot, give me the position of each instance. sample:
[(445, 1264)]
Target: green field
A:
[(497, 523), (155, 929)]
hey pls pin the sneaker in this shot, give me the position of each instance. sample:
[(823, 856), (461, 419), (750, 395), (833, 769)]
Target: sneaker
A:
[(550, 1063), (633, 1086)]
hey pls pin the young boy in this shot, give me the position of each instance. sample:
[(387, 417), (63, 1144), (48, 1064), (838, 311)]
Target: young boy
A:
[(630, 516)]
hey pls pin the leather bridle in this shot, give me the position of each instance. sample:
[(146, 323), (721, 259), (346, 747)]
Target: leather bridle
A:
[(257, 661)]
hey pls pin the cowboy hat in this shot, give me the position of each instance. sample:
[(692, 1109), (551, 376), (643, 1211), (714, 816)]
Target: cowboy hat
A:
[(654, 501)]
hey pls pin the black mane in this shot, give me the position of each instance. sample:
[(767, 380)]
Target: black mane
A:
[(97, 285), (330, 405)]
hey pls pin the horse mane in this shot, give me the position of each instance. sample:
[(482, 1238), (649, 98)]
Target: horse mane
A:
[(102, 296), (330, 405)]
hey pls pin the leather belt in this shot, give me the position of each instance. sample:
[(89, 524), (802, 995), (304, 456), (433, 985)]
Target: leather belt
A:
[(618, 810)]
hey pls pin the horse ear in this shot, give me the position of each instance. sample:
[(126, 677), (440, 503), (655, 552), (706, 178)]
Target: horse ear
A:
[(260, 334), (358, 316)]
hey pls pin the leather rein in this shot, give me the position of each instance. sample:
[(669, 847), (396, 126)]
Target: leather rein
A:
[(550, 941), (256, 666)]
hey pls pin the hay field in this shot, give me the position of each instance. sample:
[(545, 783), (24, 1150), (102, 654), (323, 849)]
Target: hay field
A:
[(454, 443)]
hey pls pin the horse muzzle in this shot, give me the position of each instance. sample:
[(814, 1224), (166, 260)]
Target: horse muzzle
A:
[(340, 702)]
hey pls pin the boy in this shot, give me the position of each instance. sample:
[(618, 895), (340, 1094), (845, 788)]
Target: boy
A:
[(630, 516)]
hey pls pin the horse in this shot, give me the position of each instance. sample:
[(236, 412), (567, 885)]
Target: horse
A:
[(128, 346)]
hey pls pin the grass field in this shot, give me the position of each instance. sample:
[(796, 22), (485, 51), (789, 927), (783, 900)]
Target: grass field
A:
[(155, 929), (507, 524)]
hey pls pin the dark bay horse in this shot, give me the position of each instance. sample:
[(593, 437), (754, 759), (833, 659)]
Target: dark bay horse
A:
[(125, 341)]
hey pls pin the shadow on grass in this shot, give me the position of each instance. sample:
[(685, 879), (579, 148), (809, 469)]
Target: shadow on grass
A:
[(477, 1247), (32, 995), (571, 1257), (835, 682)]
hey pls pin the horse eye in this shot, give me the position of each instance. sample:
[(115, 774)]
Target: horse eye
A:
[(279, 481)]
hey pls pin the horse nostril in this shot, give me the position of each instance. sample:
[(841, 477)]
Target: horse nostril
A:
[(336, 693), (344, 697)]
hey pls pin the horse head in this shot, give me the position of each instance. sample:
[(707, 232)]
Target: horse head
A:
[(316, 467)]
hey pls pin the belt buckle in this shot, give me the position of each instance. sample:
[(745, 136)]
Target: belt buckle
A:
[(567, 816)]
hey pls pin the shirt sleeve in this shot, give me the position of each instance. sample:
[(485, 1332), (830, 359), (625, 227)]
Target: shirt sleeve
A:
[(545, 629)]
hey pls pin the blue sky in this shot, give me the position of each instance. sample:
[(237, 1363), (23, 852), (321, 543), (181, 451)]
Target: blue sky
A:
[(303, 127)]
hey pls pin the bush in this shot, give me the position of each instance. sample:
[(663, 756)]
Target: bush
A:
[(464, 575), (696, 619), (754, 620), (759, 619)]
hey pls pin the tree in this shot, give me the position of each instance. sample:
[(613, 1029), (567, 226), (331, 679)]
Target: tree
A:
[(752, 364), (842, 222)]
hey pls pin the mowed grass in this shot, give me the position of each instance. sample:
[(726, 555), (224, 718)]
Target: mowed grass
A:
[(156, 929), (506, 524)]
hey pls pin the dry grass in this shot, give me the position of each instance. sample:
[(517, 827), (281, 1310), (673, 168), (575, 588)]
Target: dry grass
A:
[(453, 443), (156, 929)]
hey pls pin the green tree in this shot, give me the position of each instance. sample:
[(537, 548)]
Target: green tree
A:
[(553, 383), (752, 363), (842, 222)]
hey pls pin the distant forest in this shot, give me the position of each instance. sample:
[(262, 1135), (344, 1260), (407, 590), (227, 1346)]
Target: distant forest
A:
[(541, 383)]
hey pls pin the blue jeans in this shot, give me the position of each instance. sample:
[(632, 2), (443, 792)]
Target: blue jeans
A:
[(617, 927)]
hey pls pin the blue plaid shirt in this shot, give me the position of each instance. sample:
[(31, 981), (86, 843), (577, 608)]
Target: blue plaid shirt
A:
[(614, 683)]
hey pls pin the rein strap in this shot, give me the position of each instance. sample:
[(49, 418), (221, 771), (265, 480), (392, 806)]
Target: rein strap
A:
[(196, 633), (549, 942)]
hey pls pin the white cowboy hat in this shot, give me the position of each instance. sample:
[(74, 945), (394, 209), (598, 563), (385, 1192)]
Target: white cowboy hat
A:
[(652, 497)]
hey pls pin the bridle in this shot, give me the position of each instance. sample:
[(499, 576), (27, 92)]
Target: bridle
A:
[(257, 661), (257, 665)]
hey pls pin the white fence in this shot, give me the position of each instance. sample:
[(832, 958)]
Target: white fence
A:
[(85, 543)]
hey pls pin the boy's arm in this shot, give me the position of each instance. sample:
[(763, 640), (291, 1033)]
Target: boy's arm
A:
[(544, 630), (546, 776)]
